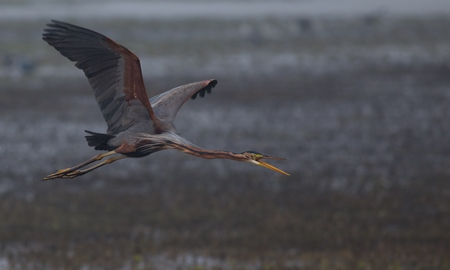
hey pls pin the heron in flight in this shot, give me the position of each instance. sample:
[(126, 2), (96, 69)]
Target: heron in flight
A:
[(137, 126)]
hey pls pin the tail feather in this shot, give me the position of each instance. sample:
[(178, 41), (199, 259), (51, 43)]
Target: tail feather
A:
[(98, 140)]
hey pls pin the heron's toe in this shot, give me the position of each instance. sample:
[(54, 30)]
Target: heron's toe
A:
[(58, 174), (63, 171), (72, 174)]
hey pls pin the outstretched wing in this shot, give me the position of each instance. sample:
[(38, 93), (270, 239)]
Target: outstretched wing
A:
[(113, 71), (167, 104)]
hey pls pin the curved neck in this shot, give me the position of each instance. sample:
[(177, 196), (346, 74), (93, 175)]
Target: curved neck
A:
[(175, 141), (208, 154)]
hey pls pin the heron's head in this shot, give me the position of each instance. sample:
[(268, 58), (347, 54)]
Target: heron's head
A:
[(255, 158)]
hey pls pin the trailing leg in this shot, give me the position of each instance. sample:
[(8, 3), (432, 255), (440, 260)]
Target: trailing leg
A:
[(63, 172), (77, 173)]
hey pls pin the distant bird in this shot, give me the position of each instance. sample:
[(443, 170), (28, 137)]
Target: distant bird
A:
[(137, 126)]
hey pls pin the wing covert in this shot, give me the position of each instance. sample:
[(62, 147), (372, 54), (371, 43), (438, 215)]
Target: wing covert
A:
[(113, 71), (167, 104)]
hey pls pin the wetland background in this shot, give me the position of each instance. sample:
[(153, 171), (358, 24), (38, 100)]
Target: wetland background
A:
[(355, 94)]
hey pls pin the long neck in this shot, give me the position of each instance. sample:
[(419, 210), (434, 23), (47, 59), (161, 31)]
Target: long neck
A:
[(186, 146), (209, 154)]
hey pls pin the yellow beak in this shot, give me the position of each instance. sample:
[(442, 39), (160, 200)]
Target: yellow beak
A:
[(268, 166)]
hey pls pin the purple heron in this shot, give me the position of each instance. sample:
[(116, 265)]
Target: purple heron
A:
[(137, 126)]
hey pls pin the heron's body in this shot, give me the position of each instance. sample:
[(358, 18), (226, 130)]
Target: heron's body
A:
[(137, 126)]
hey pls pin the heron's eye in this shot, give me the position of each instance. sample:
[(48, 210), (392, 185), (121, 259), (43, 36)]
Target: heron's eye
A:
[(254, 155), (257, 156)]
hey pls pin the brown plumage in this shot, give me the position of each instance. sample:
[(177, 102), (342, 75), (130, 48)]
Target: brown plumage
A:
[(137, 126)]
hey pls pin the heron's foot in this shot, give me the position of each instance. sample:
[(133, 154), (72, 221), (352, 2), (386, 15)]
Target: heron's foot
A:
[(63, 173), (73, 174), (78, 171)]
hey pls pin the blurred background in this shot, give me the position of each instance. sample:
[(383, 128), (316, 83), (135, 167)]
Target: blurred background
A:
[(355, 94)]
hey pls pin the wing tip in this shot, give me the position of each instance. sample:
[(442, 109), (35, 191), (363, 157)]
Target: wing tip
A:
[(212, 83), (209, 85)]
